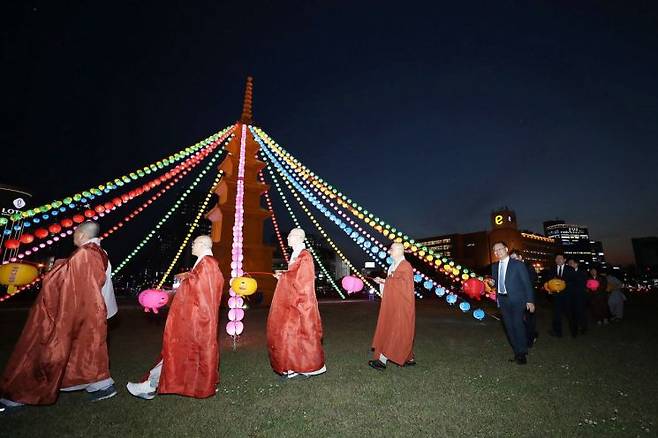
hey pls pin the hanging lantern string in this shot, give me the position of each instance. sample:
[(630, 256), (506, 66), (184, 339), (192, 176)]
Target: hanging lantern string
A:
[(114, 229), (427, 256), (170, 212), (359, 236), (138, 173), (177, 173)]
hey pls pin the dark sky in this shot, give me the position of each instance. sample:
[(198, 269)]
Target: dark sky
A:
[(430, 115)]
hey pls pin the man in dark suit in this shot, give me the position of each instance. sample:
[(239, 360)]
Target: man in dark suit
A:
[(514, 296), (562, 302), (579, 296), (530, 318)]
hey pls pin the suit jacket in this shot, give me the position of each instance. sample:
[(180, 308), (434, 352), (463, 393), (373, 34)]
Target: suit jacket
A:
[(517, 282)]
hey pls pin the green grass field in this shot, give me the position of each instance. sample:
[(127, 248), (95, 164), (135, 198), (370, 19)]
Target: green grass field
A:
[(602, 384)]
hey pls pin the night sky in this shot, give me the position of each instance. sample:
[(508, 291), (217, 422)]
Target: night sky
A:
[(430, 115)]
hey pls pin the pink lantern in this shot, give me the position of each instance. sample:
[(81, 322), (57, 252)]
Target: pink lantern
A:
[(235, 302), (592, 284), (153, 299), (352, 284), (234, 328), (235, 314)]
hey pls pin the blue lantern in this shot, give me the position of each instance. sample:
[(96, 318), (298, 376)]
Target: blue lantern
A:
[(418, 278), (428, 284), (465, 306), (389, 260), (440, 291), (478, 314), (451, 299), (382, 255)]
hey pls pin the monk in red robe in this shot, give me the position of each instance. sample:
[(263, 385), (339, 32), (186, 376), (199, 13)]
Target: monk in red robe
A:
[(294, 328), (63, 346), (189, 362), (396, 325)]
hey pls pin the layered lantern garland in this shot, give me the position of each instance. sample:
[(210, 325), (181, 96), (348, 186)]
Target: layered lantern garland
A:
[(435, 260), (135, 175), (235, 326), (170, 212), (177, 173), (362, 238)]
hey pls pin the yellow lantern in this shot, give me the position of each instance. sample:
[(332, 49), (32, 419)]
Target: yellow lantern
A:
[(555, 286), (17, 274), (244, 286)]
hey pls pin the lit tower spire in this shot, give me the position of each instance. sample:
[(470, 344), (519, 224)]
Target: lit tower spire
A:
[(247, 114)]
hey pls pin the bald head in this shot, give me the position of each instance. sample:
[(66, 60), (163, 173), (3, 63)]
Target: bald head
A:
[(84, 232), (296, 237), (201, 245), (396, 251)]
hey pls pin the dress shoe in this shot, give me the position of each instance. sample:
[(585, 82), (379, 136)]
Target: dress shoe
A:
[(410, 363), (376, 364)]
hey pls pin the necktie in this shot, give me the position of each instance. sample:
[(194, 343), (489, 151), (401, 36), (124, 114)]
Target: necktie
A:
[(501, 278), (559, 271)]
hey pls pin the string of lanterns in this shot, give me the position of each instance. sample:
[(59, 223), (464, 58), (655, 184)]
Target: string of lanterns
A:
[(169, 213), (132, 176), (41, 233), (436, 260), (369, 246)]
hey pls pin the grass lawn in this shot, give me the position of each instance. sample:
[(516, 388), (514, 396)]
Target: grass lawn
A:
[(601, 384)]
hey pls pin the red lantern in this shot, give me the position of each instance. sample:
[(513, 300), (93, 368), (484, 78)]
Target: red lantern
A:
[(125, 197), (592, 284), (66, 223), (99, 208), (108, 206), (12, 244), (27, 238), (54, 228), (473, 288), (78, 218), (90, 213), (117, 201), (41, 233)]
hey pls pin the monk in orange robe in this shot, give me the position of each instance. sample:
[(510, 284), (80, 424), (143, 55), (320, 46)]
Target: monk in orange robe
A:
[(189, 363), (396, 325), (63, 346), (294, 328)]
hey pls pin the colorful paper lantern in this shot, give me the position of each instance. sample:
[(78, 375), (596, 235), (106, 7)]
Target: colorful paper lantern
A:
[(473, 288), (12, 244), (78, 218), (478, 314), (67, 223), (465, 306), (235, 314), (153, 299), (234, 328), (27, 238), (592, 284), (17, 274), (555, 286), (244, 286), (352, 284), (41, 233), (55, 228)]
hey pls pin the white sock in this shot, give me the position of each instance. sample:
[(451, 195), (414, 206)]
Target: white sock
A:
[(382, 358)]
